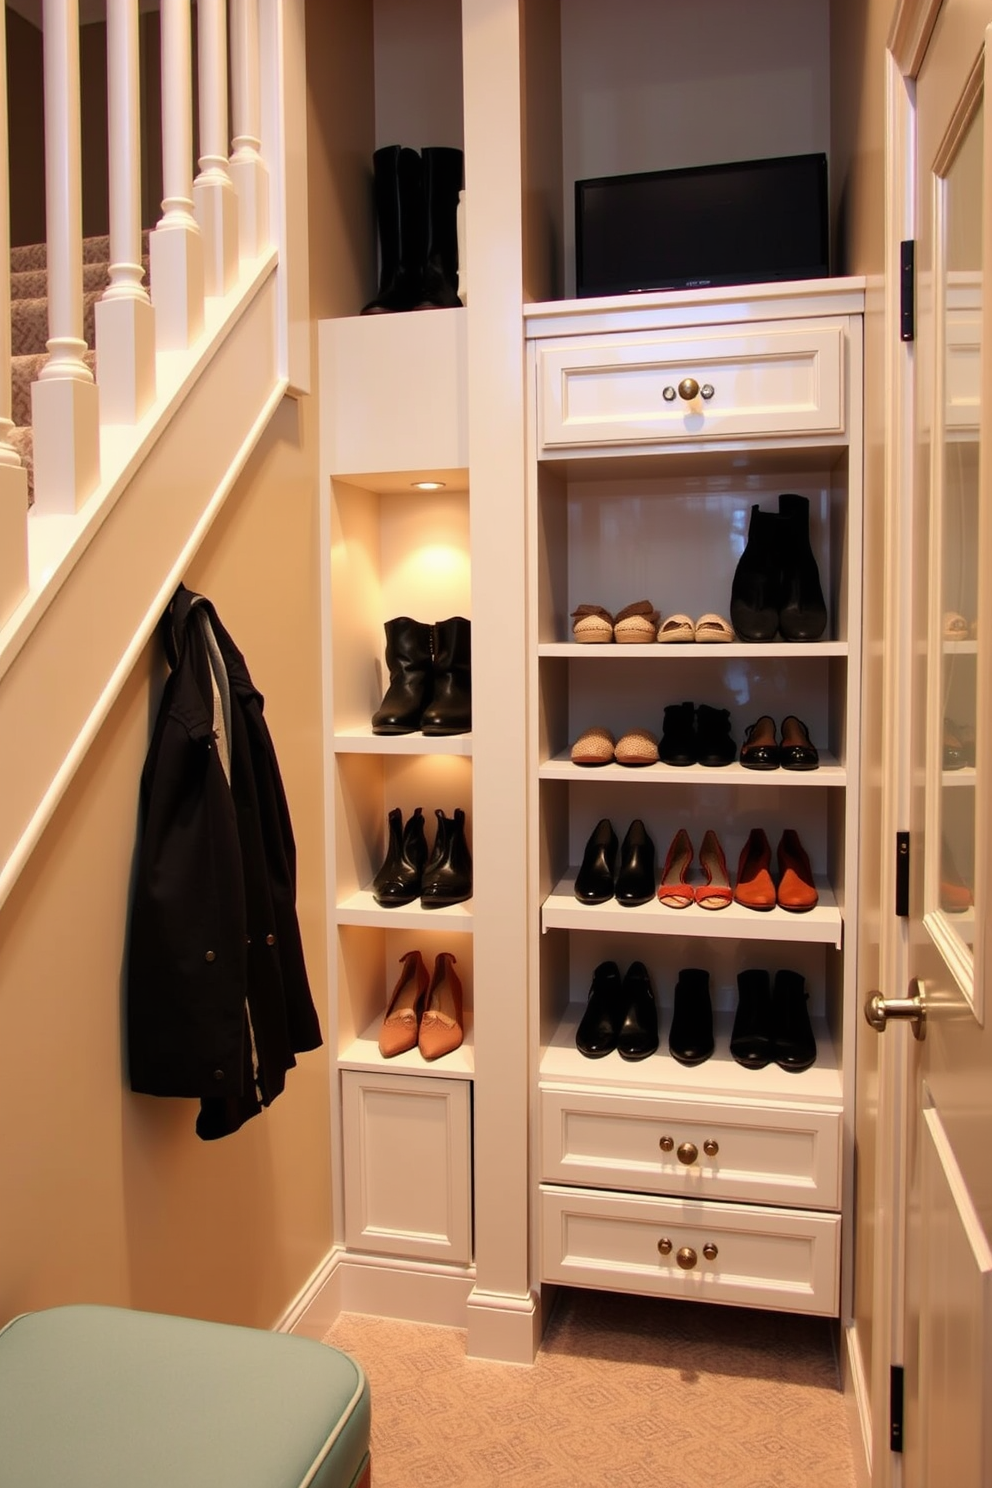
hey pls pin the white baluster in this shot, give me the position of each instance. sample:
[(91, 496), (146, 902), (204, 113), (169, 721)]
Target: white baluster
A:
[(64, 400), (125, 320), (247, 166), (214, 196), (176, 246), (13, 476)]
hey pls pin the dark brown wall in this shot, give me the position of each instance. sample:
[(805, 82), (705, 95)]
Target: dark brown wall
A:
[(26, 123)]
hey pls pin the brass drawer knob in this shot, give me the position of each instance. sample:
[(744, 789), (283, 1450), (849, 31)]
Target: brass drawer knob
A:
[(710, 1251), (665, 1246), (667, 1144), (687, 1153), (688, 389), (686, 1258), (710, 1147)]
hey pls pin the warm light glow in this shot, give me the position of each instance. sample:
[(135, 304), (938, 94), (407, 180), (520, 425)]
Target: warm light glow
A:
[(428, 485)]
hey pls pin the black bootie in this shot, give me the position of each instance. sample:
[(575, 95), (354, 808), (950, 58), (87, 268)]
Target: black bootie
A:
[(690, 1039), (442, 176), (448, 875), (756, 588), (751, 1036), (802, 610), (399, 879), (450, 710), (408, 657), (399, 213), (793, 1040)]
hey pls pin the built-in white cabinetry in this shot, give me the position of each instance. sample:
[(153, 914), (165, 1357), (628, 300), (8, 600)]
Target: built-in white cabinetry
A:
[(656, 429)]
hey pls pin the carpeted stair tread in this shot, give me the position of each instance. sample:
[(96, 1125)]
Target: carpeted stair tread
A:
[(96, 250), (32, 284), (24, 371), (29, 324), (22, 439)]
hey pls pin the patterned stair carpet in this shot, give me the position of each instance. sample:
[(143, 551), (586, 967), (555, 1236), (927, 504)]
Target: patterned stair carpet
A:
[(626, 1392)]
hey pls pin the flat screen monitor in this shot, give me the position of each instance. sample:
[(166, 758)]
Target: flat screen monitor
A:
[(739, 223)]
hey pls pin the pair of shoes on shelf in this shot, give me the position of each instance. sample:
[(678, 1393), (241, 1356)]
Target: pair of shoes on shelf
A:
[(675, 891), (424, 1011), (597, 746), (958, 745), (756, 889), (772, 1022), (430, 678), (599, 877), (633, 625), (776, 585), (795, 750), (957, 628), (620, 1015), (696, 736), (416, 208), (709, 629), (439, 878)]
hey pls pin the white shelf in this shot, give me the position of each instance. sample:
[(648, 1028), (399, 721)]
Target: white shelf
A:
[(822, 925), (960, 648), (693, 652), (965, 776), (364, 741), (561, 768), (721, 1075), (363, 1054), (361, 909)]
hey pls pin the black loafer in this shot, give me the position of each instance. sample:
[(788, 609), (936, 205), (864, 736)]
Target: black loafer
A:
[(597, 1032), (750, 1039), (797, 750), (760, 750), (690, 1039), (636, 879), (595, 879), (638, 1035)]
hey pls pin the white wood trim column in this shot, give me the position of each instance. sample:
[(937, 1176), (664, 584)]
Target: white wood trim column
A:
[(13, 476), (214, 197), (125, 320), (176, 245), (64, 400), (248, 170)]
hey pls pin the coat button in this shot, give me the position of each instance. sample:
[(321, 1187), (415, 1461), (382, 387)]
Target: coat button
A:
[(211, 956), (270, 940), (218, 1074)]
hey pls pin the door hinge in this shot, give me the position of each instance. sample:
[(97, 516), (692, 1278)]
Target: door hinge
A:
[(902, 875), (895, 1407), (907, 290)]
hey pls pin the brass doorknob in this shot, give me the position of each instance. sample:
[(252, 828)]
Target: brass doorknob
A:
[(710, 1251), (710, 1147), (687, 1153), (665, 1246), (879, 1009), (666, 1144), (688, 389), (686, 1258)]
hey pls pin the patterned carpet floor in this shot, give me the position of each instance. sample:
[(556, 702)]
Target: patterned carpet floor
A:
[(626, 1392)]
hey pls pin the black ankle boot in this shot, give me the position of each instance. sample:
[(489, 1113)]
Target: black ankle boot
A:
[(399, 212), (793, 1041), (636, 880), (442, 176), (756, 587), (802, 610), (690, 1039), (714, 746), (448, 875), (408, 657), (595, 880), (399, 879), (678, 735), (637, 1037), (596, 1035), (450, 710), (750, 1038)]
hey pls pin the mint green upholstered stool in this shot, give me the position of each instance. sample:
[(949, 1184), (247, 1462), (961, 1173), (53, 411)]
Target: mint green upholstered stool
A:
[(102, 1397)]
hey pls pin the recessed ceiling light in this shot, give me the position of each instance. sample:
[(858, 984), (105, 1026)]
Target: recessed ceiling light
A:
[(428, 485)]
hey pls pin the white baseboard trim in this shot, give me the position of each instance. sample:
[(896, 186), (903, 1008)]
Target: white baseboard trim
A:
[(315, 1306), (503, 1327), (411, 1291), (859, 1395)]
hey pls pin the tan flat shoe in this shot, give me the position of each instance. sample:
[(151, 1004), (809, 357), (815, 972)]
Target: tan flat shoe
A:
[(636, 623), (637, 747), (593, 626), (677, 628), (714, 630), (399, 1027), (594, 747), (441, 1028)]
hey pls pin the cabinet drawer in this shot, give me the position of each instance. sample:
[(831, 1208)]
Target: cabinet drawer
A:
[(758, 1257), (779, 1155), (772, 379)]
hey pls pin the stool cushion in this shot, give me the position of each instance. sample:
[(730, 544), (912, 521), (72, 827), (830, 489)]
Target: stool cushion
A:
[(103, 1397)]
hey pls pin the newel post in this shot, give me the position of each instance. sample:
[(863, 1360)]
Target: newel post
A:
[(176, 246)]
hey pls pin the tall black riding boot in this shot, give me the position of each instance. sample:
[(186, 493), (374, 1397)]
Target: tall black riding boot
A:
[(448, 875), (398, 881), (802, 611), (442, 171), (399, 214), (756, 587), (450, 710), (408, 657)]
